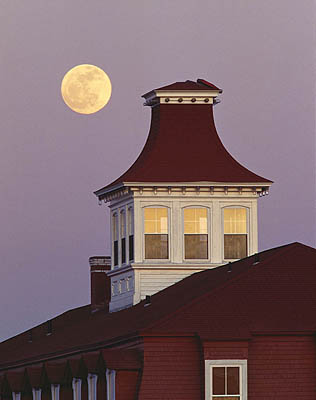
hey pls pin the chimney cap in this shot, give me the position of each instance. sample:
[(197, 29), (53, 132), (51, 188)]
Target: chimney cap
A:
[(99, 260)]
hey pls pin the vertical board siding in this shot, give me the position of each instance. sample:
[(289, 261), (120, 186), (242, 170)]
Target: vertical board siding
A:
[(172, 369), (282, 368)]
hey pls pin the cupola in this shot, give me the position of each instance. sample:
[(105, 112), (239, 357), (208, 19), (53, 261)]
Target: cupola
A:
[(185, 205)]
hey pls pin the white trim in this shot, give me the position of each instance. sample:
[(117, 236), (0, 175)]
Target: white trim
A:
[(209, 236), (200, 183), (110, 384), (226, 363), (55, 389), (37, 393), (169, 233), (259, 187), (92, 386), (16, 395), (248, 228), (76, 388)]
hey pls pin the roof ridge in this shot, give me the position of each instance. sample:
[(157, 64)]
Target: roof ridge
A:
[(223, 285)]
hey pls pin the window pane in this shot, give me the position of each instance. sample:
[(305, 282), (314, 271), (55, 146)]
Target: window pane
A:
[(131, 247), (218, 380), (130, 221), (163, 225), (235, 246), (115, 248), (150, 213), (195, 220), (156, 220), (123, 249), (195, 246), (156, 246), (123, 225), (150, 226), (235, 220), (233, 380), (115, 230)]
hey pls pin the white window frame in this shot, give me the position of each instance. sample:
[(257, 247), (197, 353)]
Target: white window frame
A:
[(157, 260), (92, 386), (110, 384), (209, 238), (130, 231), (247, 229), (55, 390), (76, 388), (16, 395), (37, 393), (115, 227), (122, 215), (209, 364)]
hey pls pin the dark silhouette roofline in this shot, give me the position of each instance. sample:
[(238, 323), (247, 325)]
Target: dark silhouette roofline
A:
[(234, 299)]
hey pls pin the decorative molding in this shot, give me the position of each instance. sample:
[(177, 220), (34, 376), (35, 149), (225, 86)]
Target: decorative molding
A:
[(125, 189)]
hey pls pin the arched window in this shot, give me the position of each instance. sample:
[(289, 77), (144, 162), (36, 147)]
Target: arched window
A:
[(195, 233), (123, 236), (156, 233), (235, 233)]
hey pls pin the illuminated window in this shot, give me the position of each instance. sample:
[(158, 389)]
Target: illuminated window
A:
[(235, 233), (195, 233), (123, 236), (156, 233), (130, 234), (226, 380), (115, 239)]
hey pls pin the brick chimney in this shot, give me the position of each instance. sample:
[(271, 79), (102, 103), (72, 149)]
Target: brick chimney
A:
[(100, 282)]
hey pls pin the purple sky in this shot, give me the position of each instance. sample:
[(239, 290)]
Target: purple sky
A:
[(261, 53)]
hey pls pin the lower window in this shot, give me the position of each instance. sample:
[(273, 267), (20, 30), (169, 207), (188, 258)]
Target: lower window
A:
[(235, 233), (235, 246), (195, 247), (156, 246), (226, 380)]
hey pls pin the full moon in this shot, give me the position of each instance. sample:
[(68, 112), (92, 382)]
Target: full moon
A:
[(86, 89)]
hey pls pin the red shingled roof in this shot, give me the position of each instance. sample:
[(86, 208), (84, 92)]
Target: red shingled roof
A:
[(277, 294), (183, 146)]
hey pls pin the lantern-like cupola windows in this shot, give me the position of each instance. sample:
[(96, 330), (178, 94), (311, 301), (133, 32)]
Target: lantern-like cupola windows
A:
[(185, 205)]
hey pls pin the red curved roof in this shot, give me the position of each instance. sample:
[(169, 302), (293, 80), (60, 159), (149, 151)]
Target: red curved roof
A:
[(183, 146)]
